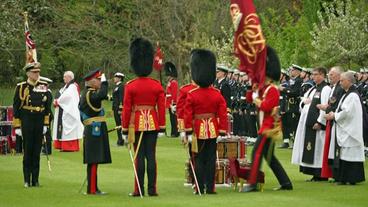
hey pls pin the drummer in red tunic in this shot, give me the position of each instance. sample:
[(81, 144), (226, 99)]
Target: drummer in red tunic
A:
[(205, 118)]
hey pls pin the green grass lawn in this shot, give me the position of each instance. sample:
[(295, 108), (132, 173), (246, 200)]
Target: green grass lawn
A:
[(60, 187)]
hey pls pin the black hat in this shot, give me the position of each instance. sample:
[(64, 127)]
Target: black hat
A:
[(35, 66), (273, 67), (203, 67), (170, 70), (96, 73), (223, 68), (141, 56), (119, 75)]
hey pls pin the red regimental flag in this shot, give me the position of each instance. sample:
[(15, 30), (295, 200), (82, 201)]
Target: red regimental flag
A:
[(249, 42), (158, 59), (31, 54)]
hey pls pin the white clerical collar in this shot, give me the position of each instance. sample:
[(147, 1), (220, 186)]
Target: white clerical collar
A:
[(118, 83)]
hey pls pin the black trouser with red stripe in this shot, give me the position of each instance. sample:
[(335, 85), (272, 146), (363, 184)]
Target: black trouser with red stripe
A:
[(32, 126), (205, 164), (92, 178), (146, 151), (262, 148)]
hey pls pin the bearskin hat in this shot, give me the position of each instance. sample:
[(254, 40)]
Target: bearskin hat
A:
[(273, 67), (141, 56), (170, 70), (203, 67)]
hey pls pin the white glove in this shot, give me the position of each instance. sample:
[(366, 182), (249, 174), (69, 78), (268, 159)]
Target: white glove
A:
[(125, 138), (190, 139), (18, 132), (173, 108), (254, 95), (182, 136), (160, 134), (44, 130), (219, 139), (103, 77)]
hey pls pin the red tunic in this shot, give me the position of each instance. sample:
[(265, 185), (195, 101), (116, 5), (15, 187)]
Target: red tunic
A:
[(144, 105), (183, 92), (171, 93), (205, 113), (270, 99)]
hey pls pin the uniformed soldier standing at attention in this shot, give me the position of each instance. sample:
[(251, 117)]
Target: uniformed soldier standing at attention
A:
[(117, 103), (46, 147), (222, 84), (31, 118), (293, 99), (143, 117), (205, 118), (172, 90), (96, 148)]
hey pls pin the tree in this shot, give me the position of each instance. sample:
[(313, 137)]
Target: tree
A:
[(341, 36)]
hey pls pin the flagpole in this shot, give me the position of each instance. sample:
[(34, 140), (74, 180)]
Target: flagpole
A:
[(160, 74), (25, 15)]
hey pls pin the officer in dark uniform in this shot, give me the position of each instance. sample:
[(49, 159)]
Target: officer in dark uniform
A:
[(31, 117), (293, 98), (222, 84), (117, 103), (96, 149), (307, 81), (284, 82), (46, 146)]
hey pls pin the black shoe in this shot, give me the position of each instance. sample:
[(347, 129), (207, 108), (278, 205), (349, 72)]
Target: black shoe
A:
[(100, 193), (134, 194), (284, 146), (36, 184), (284, 187), (249, 188), (120, 143), (152, 194), (317, 179)]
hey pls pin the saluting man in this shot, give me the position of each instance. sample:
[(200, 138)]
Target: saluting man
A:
[(205, 118), (143, 114), (31, 117), (96, 148)]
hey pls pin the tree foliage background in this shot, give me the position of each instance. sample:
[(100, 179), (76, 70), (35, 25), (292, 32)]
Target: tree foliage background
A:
[(80, 35)]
